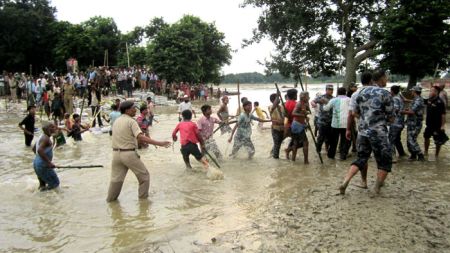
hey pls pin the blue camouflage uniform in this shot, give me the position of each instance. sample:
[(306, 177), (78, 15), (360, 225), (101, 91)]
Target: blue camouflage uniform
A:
[(414, 125), (374, 106), (396, 127), (324, 119)]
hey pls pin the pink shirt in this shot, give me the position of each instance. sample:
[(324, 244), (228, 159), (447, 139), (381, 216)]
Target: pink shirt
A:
[(188, 132), (206, 126)]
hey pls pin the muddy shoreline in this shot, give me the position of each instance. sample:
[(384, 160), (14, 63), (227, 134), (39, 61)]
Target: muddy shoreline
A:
[(262, 205)]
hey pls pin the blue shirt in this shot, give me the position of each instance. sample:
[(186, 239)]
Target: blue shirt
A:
[(113, 116)]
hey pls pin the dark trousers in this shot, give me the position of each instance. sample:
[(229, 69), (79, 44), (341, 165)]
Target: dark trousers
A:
[(338, 136), (324, 136), (395, 138), (277, 136), (94, 111), (121, 86), (28, 139)]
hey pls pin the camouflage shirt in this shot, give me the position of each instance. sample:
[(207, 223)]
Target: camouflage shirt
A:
[(417, 106), (375, 106), (324, 117), (399, 120)]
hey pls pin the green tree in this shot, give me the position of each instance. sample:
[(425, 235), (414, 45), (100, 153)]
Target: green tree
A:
[(26, 35), (105, 36), (305, 34), (154, 27), (138, 56), (416, 38), (72, 41), (189, 50)]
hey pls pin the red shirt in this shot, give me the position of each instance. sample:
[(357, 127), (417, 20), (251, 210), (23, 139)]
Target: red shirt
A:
[(188, 132), (290, 106)]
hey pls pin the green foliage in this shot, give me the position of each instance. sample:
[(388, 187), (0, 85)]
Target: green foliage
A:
[(416, 37), (138, 56), (72, 41), (133, 37), (105, 36), (189, 50), (155, 26), (304, 33), (25, 34)]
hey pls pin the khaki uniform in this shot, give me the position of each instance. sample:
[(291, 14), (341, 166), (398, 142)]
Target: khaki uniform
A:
[(68, 101), (124, 143)]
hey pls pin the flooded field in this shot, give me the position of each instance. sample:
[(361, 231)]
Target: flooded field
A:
[(262, 204)]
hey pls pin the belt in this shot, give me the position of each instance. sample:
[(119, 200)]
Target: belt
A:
[(122, 150)]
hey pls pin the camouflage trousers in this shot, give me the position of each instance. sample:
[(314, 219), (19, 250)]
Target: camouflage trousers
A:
[(239, 142), (211, 147), (413, 131), (381, 148)]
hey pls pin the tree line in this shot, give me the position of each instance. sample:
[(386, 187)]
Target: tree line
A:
[(258, 78), (323, 38), (31, 39), (407, 37)]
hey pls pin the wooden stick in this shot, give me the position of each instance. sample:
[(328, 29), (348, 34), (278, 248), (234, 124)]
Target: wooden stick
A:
[(212, 159), (239, 98), (224, 124), (79, 166), (95, 116), (307, 124)]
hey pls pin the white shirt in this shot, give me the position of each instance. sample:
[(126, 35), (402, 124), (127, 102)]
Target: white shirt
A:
[(340, 106), (184, 106)]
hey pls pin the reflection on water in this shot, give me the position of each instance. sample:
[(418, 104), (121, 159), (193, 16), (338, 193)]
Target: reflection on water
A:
[(262, 205)]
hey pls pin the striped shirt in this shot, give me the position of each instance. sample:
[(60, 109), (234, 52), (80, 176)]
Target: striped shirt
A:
[(340, 106)]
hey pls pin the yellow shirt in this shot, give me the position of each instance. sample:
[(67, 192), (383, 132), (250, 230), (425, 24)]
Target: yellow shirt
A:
[(259, 113), (275, 115)]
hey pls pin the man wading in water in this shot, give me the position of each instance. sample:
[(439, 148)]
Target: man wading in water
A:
[(42, 163), (125, 140), (28, 121)]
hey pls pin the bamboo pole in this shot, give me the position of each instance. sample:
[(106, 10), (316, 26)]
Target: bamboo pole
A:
[(79, 166), (239, 98), (307, 123), (309, 126), (128, 55)]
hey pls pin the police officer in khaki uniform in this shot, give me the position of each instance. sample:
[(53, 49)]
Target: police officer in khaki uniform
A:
[(125, 138)]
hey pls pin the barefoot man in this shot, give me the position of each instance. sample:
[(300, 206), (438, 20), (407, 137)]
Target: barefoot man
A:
[(374, 106)]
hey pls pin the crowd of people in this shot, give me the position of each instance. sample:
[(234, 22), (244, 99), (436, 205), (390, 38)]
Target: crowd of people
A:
[(369, 118), (54, 94)]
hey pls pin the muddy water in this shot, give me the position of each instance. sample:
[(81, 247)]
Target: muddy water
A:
[(262, 205)]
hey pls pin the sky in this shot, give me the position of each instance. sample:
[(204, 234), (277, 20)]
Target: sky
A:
[(235, 22)]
